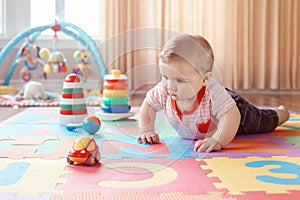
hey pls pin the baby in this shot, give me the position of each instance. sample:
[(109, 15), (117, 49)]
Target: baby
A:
[(196, 105)]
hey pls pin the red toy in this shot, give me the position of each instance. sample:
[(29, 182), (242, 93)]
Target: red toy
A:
[(84, 151)]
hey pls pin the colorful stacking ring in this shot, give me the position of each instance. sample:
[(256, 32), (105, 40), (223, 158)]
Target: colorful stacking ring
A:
[(115, 109), (72, 90), (72, 101), (75, 119), (115, 85), (73, 112), (71, 93), (115, 93), (72, 85), (72, 107), (72, 96), (114, 77), (115, 101)]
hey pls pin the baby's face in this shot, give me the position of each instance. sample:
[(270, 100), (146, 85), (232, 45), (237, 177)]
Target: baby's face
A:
[(182, 81)]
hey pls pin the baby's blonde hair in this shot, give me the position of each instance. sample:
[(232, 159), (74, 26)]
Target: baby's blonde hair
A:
[(193, 48)]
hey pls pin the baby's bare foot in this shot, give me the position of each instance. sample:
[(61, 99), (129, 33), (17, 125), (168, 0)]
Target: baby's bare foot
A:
[(283, 114)]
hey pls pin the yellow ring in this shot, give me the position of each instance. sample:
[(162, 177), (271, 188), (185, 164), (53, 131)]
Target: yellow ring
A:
[(115, 93)]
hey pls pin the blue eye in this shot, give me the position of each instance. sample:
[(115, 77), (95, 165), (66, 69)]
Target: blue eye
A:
[(165, 77)]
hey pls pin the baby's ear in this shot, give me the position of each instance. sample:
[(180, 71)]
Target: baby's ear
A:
[(207, 76)]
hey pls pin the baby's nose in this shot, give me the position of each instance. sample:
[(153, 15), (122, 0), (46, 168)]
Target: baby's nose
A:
[(171, 85)]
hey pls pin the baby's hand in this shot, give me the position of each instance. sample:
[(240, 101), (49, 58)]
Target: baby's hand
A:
[(207, 145), (150, 137)]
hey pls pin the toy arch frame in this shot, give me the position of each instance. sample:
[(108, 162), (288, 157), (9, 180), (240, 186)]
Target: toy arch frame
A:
[(67, 28)]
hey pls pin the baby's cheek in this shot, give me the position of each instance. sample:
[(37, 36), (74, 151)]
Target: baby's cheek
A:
[(163, 84), (187, 91)]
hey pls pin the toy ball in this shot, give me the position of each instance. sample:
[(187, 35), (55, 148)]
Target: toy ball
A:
[(91, 124)]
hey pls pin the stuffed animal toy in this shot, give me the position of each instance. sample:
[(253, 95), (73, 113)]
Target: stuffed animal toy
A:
[(34, 90)]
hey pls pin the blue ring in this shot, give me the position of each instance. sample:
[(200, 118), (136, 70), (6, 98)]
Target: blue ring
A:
[(115, 109)]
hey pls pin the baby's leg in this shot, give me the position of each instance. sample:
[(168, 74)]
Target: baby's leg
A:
[(283, 114)]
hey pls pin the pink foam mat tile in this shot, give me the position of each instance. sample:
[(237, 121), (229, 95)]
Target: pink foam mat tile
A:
[(18, 154), (149, 177), (141, 196), (46, 148), (259, 195)]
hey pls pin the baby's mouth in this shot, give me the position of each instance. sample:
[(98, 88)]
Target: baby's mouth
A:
[(173, 96)]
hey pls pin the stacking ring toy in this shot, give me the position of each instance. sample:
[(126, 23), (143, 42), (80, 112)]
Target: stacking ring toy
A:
[(109, 101), (115, 93), (115, 109)]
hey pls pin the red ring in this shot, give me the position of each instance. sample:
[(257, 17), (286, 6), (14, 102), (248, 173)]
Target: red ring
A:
[(115, 85), (72, 96), (73, 112)]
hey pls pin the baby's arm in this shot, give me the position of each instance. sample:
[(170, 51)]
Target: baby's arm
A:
[(226, 131), (147, 125)]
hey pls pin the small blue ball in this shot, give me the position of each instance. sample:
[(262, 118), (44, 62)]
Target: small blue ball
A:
[(91, 124)]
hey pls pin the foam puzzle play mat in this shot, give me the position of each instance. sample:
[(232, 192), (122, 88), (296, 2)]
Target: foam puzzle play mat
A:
[(36, 162)]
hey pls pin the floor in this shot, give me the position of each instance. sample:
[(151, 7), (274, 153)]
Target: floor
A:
[(290, 100)]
